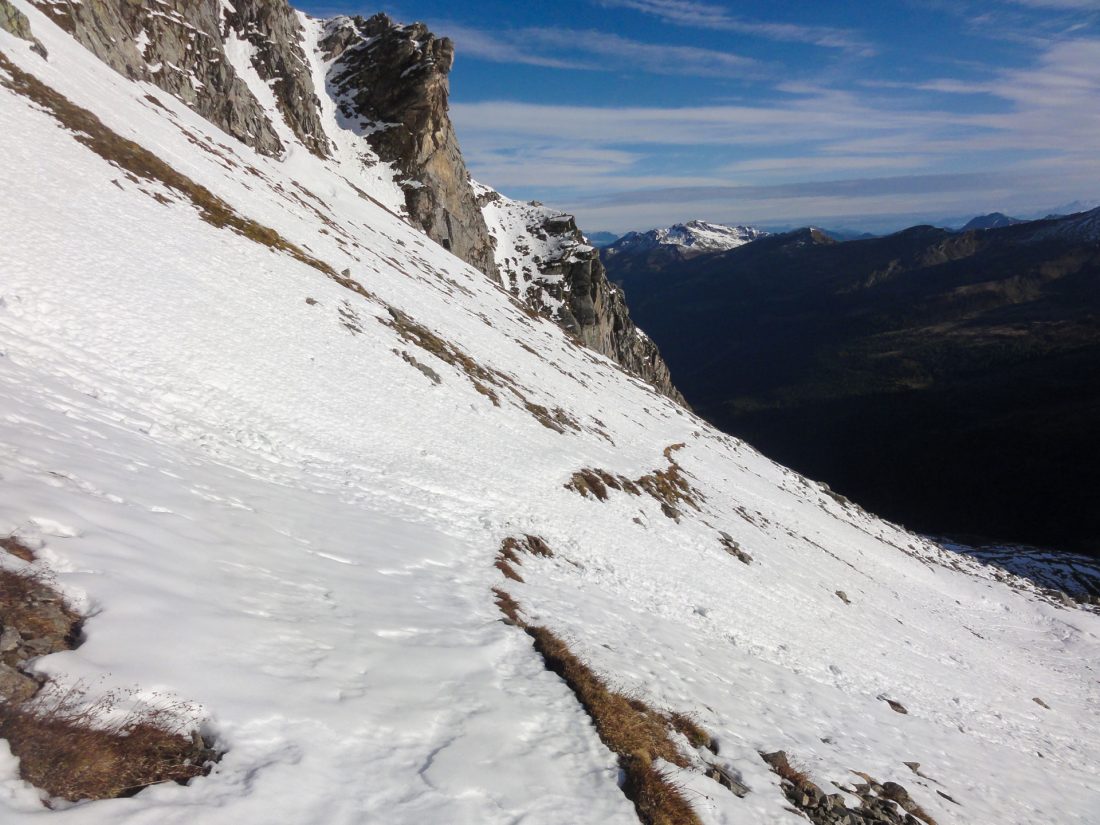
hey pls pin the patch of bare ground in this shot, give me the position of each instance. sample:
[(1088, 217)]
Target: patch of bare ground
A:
[(67, 746), (487, 381), (886, 803), (631, 729), (638, 734), (419, 335), (668, 487), (141, 164), (508, 559)]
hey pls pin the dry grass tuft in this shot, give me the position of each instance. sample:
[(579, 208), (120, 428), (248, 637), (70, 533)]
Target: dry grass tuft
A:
[(669, 487), (506, 568), (17, 548), (508, 606), (511, 546), (656, 800), (66, 748), (692, 730), (629, 727), (420, 336), (588, 482)]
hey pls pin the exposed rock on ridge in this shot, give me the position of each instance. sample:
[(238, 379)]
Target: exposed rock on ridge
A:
[(180, 46), (545, 260), (390, 83), (15, 22)]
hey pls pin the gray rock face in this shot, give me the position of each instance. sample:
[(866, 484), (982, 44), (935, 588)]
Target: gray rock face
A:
[(391, 85), (15, 22), (179, 46), (273, 30), (559, 274)]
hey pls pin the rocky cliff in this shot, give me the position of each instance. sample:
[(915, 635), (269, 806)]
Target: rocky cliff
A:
[(545, 260), (246, 67), (391, 85), (181, 46)]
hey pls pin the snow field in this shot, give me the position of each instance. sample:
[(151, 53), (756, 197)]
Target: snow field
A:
[(273, 515)]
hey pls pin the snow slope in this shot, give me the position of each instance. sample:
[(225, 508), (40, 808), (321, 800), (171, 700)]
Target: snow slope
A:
[(237, 469)]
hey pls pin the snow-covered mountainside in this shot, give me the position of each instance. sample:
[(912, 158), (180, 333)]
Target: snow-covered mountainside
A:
[(1083, 227), (547, 262), (691, 238), (652, 252), (286, 454)]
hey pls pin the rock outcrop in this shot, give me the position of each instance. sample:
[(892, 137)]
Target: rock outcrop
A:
[(179, 45), (15, 22), (546, 261), (391, 86)]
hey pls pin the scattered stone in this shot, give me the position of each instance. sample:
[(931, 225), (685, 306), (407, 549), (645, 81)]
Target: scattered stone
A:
[(840, 594), (1040, 703), (727, 780), (734, 549), (949, 798), (897, 707), (879, 804), (15, 687), (427, 371)]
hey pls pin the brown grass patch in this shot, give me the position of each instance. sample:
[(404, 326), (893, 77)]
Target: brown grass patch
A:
[(508, 606), (140, 163), (692, 730), (556, 419), (66, 748), (668, 487), (528, 544), (508, 558), (420, 336), (588, 482), (634, 731), (630, 728), (17, 548), (506, 568)]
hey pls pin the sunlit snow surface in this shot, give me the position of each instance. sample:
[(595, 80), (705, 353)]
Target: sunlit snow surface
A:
[(273, 515)]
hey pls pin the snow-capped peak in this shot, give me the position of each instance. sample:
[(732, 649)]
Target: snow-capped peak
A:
[(693, 237)]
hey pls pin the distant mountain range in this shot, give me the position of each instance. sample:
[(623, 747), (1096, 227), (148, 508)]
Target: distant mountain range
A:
[(602, 239), (662, 247), (949, 380), (994, 220)]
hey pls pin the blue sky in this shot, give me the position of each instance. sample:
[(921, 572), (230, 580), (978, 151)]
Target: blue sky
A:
[(638, 113)]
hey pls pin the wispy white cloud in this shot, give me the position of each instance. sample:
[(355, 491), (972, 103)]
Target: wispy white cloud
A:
[(691, 13), (1081, 5), (1033, 136), (594, 51)]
